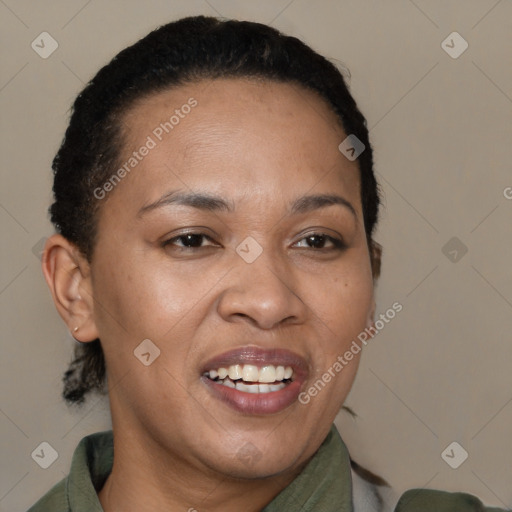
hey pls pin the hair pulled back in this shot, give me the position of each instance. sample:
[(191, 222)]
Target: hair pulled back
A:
[(180, 52)]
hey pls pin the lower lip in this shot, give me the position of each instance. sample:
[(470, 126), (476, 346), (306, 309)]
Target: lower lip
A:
[(255, 403)]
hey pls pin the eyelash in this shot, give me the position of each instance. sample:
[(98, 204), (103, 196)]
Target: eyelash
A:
[(338, 244)]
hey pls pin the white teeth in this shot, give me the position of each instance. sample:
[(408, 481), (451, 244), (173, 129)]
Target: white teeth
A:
[(252, 388), (248, 388), (235, 372), (267, 374), (250, 373), (241, 386), (266, 379)]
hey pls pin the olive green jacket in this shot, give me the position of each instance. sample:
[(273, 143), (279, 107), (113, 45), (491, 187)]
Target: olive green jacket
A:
[(325, 485)]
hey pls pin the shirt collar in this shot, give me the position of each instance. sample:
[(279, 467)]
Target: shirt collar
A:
[(324, 484), (91, 464)]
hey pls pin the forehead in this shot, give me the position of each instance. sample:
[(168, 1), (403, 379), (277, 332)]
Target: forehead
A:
[(240, 95), (239, 133)]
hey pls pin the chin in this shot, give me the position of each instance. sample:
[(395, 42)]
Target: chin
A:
[(251, 470), (251, 462)]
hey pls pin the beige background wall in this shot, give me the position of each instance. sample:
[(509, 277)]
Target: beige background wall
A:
[(442, 130)]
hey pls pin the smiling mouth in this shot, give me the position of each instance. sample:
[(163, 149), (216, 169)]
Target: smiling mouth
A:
[(250, 378)]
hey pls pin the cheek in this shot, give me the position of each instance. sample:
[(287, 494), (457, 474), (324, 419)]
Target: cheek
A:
[(341, 312), (151, 298), (345, 302)]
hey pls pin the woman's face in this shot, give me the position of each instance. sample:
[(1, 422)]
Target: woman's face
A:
[(261, 273)]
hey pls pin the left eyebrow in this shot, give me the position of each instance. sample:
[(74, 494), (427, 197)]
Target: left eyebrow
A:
[(213, 203), (306, 204)]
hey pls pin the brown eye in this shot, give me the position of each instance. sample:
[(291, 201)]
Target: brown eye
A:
[(188, 241), (319, 240)]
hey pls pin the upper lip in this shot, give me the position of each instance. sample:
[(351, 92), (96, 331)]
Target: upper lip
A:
[(259, 357)]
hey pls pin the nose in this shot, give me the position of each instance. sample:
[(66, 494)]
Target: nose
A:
[(263, 293)]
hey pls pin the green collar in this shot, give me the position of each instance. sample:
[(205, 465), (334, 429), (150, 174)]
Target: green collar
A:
[(325, 483)]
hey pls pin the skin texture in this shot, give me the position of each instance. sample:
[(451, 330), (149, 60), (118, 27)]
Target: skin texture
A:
[(259, 146)]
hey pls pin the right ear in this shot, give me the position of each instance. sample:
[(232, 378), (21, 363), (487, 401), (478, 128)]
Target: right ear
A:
[(68, 276)]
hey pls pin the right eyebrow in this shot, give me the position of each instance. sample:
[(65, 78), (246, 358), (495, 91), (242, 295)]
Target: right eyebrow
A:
[(198, 200)]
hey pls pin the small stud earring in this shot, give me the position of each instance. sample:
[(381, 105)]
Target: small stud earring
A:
[(75, 329)]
